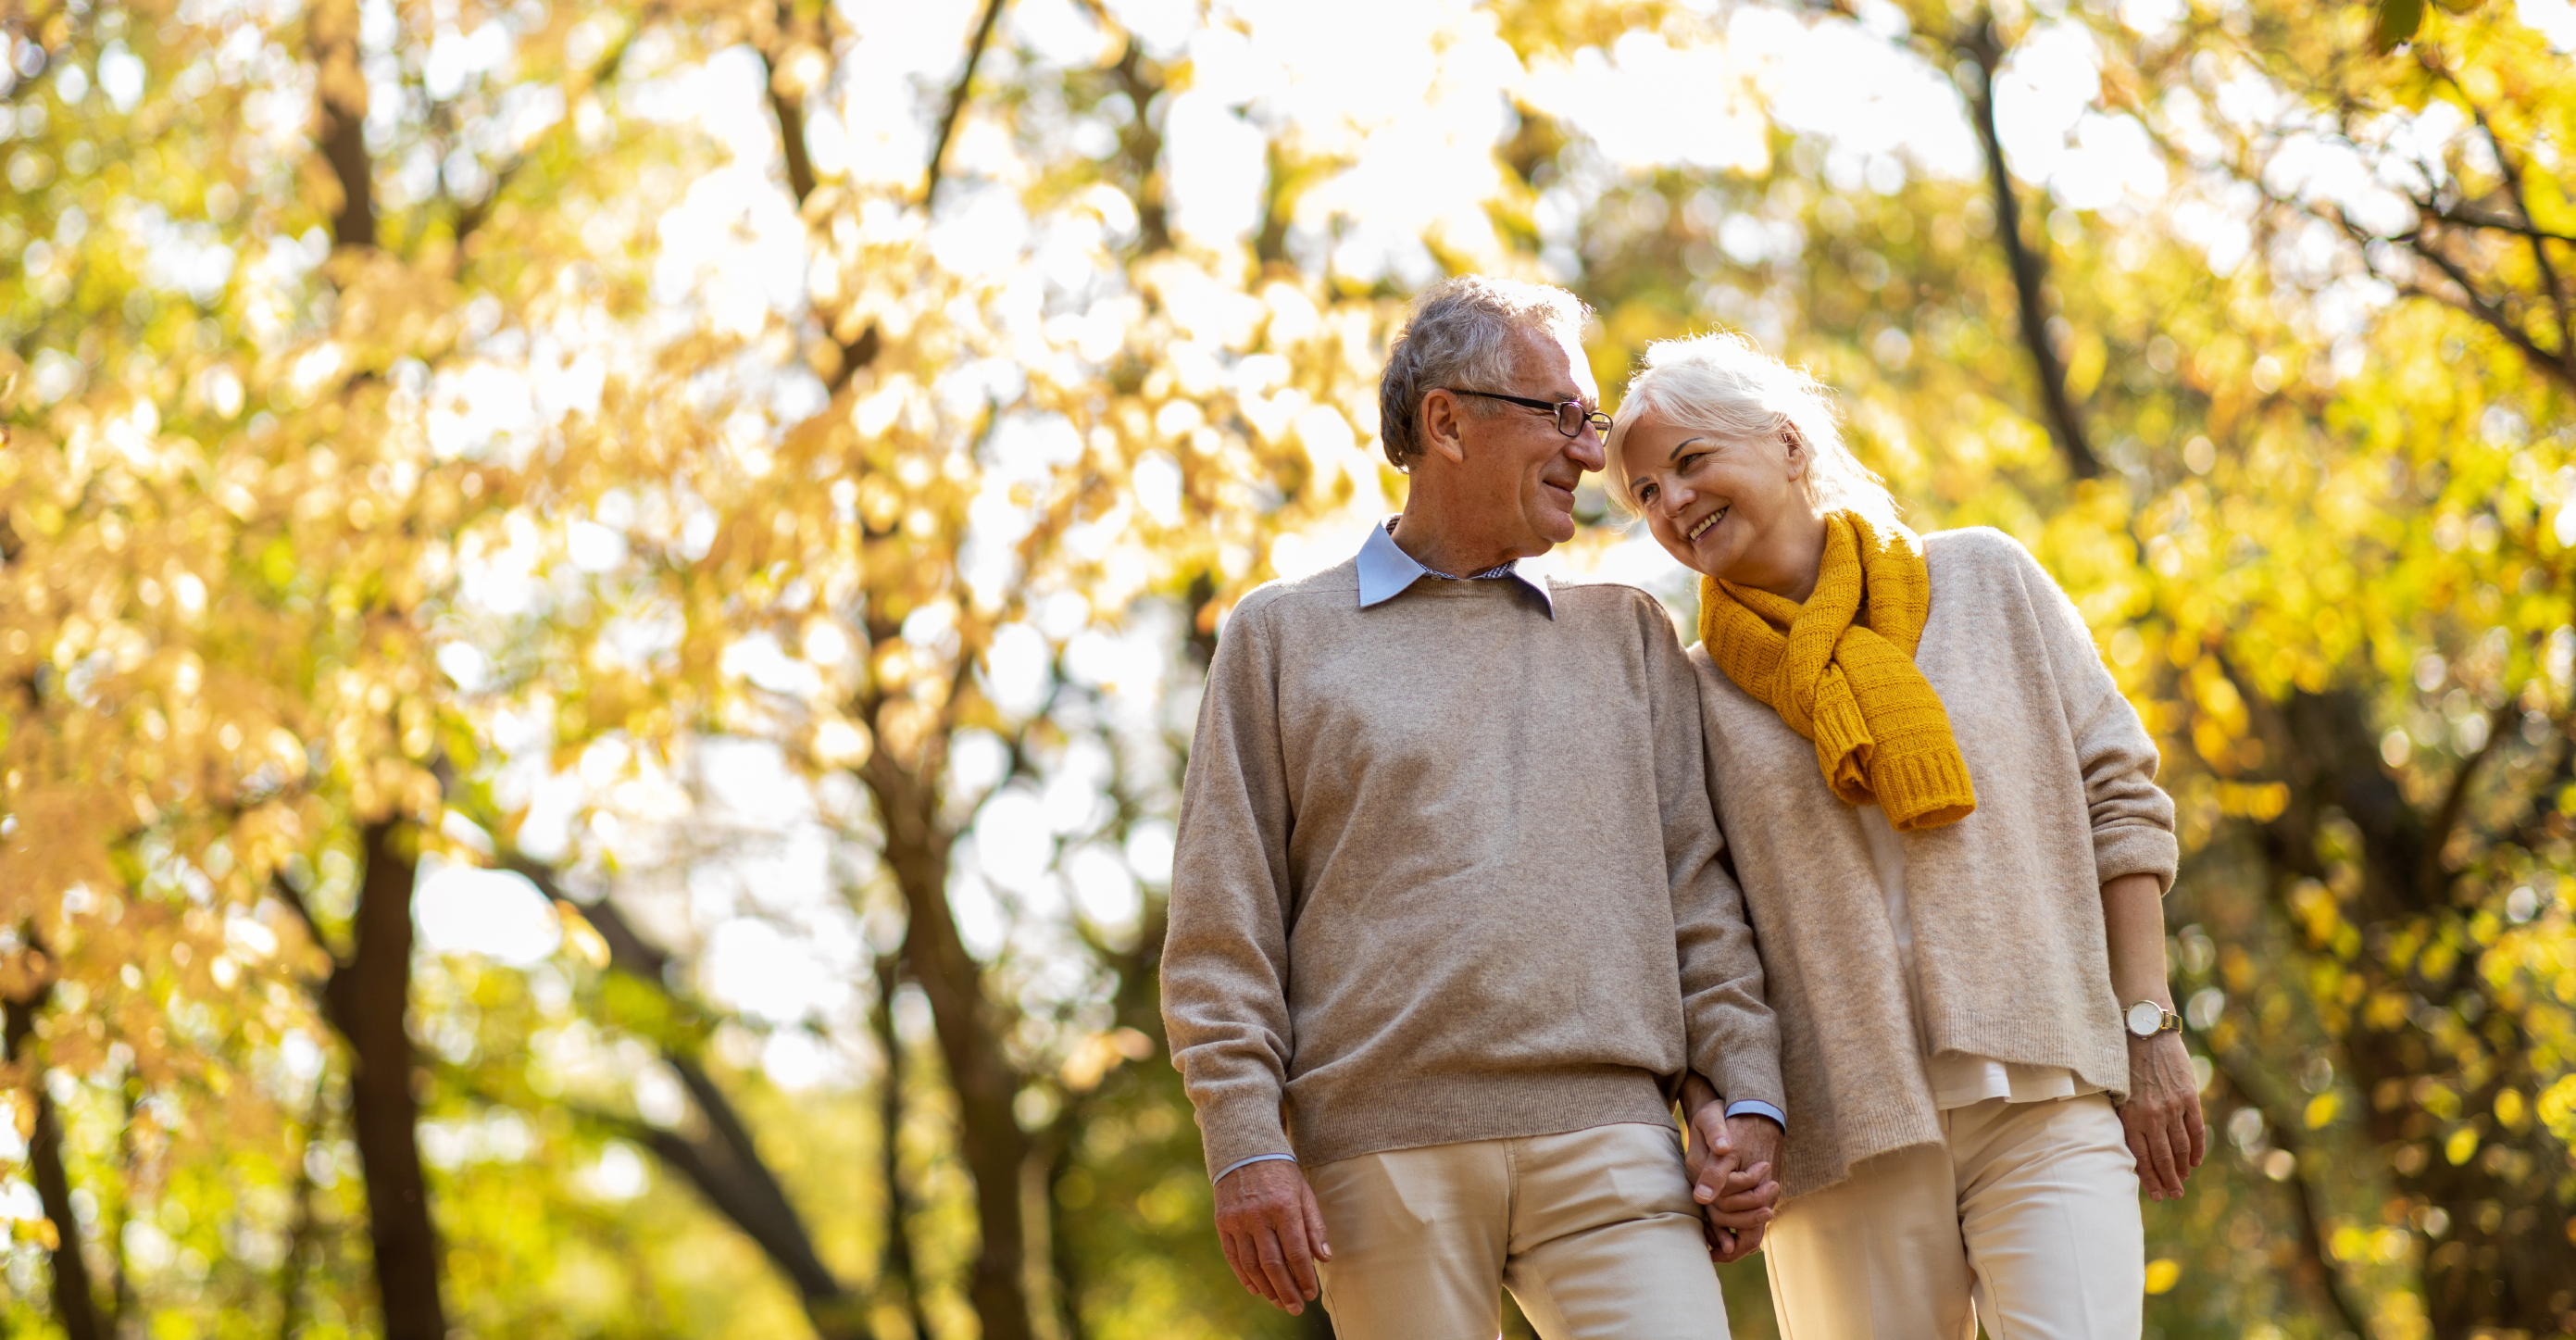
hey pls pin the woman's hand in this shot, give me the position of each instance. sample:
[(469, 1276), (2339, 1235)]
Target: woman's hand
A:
[(2162, 1117), (1730, 1162)]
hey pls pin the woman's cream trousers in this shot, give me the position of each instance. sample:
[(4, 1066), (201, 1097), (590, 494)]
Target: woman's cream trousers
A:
[(2027, 1218)]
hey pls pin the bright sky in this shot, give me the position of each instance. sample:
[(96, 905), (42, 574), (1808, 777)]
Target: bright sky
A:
[(1414, 111)]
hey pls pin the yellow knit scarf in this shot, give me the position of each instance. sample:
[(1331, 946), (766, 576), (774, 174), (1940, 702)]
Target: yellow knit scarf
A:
[(1881, 733)]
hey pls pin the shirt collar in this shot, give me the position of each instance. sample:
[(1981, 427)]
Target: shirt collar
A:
[(1386, 571)]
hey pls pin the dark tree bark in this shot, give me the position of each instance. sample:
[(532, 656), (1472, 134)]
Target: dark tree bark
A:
[(857, 349), (899, 1267), (368, 999), (1140, 147), (75, 1306), (1985, 52), (299, 1234), (957, 97), (2306, 1196), (966, 1022), (340, 129)]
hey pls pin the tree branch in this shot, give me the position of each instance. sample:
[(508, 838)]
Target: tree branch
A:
[(472, 217), (2519, 194), (789, 108), (725, 1163), (2455, 800), (2305, 1195), (286, 893), (1984, 50), (858, 351), (1142, 146), (2487, 310), (747, 1198), (957, 101), (75, 1307)]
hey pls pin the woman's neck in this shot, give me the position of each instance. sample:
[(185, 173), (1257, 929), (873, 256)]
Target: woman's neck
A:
[(1786, 560)]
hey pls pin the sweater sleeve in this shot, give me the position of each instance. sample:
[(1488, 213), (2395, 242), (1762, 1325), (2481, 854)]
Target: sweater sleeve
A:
[(1733, 1038), (1225, 957), (2133, 819)]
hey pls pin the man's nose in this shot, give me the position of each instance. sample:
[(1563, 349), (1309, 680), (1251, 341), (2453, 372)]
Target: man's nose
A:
[(1587, 449)]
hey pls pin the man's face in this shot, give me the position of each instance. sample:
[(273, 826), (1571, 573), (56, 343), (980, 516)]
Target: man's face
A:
[(1524, 471)]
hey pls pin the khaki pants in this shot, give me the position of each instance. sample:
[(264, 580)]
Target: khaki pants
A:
[(2026, 1218), (1593, 1231)]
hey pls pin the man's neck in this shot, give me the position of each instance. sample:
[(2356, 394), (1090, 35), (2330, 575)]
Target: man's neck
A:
[(1428, 539)]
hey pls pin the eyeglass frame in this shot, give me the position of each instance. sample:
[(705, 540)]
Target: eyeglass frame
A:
[(1599, 421)]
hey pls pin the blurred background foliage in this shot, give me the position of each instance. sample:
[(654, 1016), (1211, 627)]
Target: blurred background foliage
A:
[(600, 606)]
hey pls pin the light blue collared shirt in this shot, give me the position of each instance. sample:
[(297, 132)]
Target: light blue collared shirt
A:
[(1386, 571)]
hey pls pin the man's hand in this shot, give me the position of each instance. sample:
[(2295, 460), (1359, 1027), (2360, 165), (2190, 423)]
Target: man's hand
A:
[(2162, 1116), (1272, 1230), (1730, 1162)]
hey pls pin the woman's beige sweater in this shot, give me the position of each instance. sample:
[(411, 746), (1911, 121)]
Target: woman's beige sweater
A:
[(2009, 950)]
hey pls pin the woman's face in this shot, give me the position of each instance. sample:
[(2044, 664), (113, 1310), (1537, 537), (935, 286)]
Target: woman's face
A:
[(1729, 507)]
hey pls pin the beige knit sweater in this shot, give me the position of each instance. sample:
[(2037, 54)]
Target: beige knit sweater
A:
[(1447, 870), (2006, 903)]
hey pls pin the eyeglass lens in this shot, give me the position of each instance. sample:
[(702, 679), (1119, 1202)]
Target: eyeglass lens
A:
[(1571, 416)]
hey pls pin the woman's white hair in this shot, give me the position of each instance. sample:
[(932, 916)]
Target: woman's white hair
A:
[(1722, 383)]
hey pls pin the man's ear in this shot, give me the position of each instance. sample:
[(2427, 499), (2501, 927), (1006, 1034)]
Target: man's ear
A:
[(1444, 427)]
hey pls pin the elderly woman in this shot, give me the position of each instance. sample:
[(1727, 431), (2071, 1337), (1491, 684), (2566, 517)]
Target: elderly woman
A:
[(1945, 821)]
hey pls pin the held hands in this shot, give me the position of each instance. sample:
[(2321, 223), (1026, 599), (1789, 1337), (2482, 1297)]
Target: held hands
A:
[(2162, 1116), (1273, 1232), (1730, 1161)]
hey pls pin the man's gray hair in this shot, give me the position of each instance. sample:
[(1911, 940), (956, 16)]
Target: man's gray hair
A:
[(1460, 335)]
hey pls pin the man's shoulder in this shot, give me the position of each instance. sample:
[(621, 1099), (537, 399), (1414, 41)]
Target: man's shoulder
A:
[(1290, 597)]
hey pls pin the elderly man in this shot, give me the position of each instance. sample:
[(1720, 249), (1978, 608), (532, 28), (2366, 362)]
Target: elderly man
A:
[(1448, 922)]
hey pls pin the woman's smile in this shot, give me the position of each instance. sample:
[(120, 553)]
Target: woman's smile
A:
[(1706, 522)]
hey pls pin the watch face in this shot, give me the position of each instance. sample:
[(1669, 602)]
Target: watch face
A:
[(2145, 1018)]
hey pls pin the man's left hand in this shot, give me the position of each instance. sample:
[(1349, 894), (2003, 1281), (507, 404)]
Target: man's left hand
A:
[(1731, 1162)]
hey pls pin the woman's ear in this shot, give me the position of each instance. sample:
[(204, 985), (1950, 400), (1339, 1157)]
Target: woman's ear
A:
[(1796, 449)]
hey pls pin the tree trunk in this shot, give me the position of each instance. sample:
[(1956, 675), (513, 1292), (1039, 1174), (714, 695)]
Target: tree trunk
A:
[(299, 1234), (970, 1041), (74, 1305), (340, 120), (369, 1000), (898, 1266)]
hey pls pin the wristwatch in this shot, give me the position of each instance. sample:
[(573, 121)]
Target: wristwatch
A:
[(2147, 1018)]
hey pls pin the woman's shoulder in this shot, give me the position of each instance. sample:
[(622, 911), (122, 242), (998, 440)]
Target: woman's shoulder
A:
[(1982, 546), (1982, 556)]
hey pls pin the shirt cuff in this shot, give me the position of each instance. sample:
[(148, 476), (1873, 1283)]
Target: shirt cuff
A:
[(1739, 1108), (1265, 1158)]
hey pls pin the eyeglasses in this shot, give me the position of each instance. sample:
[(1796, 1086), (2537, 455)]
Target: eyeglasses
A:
[(1570, 414)]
